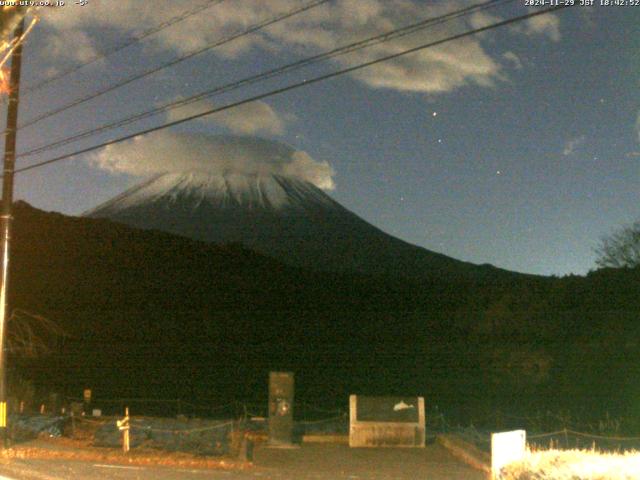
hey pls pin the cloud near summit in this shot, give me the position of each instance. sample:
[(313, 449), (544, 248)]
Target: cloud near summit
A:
[(248, 119), (167, 151)]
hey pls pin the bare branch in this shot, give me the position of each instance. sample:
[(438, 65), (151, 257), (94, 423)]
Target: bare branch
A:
[(31, 335), (621, 249)]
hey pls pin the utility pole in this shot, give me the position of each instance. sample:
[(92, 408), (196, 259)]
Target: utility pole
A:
[(7, 218)]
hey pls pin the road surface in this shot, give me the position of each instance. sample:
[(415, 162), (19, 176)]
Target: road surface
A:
[(309, 462)]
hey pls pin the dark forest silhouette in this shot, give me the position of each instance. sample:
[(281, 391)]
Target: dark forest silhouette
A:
[(151, 314)]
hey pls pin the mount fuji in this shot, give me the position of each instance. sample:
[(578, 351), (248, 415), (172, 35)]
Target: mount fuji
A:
[(283, 217)]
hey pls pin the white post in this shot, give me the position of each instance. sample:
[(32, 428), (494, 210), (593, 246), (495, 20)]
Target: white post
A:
[(506, 447)]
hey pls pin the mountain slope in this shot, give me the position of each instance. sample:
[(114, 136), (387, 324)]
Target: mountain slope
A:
[(150, 314), (285, 218), (153, 314)]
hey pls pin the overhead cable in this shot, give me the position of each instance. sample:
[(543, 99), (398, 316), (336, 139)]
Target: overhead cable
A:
[(294, 86), (181, 58), (131, 41), (345, 49)]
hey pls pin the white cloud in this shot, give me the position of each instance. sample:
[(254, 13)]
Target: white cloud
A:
[(482, 19), (131, 17), (513, 59), (571, 145), (168, 151), (434, 70), (58, 46), (548, 25), (248, 119), (440, 70)]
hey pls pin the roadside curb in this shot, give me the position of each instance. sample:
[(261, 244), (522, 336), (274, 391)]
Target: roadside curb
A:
[(468, 453)]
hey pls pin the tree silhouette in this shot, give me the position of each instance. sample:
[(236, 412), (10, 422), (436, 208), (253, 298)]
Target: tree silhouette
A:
[(621, 249), (30, 335)]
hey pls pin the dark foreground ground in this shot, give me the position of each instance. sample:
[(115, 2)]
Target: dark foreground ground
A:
[(311, 461)]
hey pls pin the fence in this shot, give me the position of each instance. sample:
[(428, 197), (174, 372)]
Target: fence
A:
[(549, 421), (308, 419), (303, 411), (203, 437), (154, 407), (605, 434), (543, 431), (562, 439), (570, 439)]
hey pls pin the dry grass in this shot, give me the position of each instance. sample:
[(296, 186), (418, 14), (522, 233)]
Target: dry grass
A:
[(574, 465)]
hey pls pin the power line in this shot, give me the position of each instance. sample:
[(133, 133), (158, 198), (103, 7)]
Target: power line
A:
[(349, 48), (387, 36), (131, 41), (193, 53), (293, 86)]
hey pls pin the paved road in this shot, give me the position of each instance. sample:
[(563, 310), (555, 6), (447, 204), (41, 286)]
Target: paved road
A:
[(310, 462)]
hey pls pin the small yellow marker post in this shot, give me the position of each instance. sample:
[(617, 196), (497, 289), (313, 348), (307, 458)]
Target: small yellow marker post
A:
[(123, 426)]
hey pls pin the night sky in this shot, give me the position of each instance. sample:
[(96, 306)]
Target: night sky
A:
[(519, 147)]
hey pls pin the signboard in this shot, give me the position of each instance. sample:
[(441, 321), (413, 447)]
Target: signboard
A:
[(506, 447), (386, 421), (388, 409), (281, 408)]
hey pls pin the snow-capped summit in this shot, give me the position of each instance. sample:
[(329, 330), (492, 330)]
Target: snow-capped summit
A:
[(221, 191), (284, 217)]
